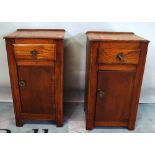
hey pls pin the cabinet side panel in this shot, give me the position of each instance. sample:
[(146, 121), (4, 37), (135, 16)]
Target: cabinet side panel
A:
[(137, 85), (59, 65), (86, 76), (14, 81), (91, 87)]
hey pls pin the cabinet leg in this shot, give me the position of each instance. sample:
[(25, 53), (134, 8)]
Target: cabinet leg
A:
[(19, 123), (88, 126), (59, 124), (131, 126)]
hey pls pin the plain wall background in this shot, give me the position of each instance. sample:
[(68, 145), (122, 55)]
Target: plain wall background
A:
[(75, 50)]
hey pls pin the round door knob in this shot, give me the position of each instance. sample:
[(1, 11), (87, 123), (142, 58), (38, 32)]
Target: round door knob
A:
[(22, 83), (101, 93)]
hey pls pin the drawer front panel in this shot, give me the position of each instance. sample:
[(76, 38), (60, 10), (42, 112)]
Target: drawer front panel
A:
[(35, 52), (118, 54)]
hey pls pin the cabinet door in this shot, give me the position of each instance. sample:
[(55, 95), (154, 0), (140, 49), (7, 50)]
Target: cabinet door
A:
[(114, 90), (36, 84)]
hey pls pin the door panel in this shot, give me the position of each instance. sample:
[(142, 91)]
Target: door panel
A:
[(113, 95), (37, 89)]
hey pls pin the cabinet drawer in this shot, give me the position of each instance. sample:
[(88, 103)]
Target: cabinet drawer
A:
[(35, 52), (118, 54)]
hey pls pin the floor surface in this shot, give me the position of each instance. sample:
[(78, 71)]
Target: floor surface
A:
[(74, 121)]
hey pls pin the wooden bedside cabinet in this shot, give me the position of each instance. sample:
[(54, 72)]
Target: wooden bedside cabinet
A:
[(35, 58), (115, 66)]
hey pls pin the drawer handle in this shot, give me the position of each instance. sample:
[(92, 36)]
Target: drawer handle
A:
[(22, 83), (120, 56), (100, 93), (34, 53)]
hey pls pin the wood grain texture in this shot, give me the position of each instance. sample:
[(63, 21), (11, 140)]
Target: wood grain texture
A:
[(14, 81), (125, 68), (114, 36), (119, 45), (34, 41), (41, 98), (137, 86), (37, 33), (59, 72), (37, 96), (111, 123), (91, 92), (114, 105), (29, 117), (113, 101), (110, 56), (34, 63), (43, 52)]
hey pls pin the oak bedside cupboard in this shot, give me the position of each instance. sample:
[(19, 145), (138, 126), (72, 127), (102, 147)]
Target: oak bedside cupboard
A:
[(115, 67), (35, 59)]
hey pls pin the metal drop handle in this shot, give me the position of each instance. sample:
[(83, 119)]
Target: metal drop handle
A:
[(120, 56)]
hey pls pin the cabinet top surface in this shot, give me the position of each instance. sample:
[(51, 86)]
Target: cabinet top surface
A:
[(37, 34), (113, 36)]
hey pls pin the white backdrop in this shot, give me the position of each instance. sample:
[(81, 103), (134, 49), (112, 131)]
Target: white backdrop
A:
[(75, 43)]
